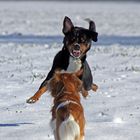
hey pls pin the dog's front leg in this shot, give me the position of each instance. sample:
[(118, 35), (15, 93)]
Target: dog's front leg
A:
[(94, 87), (37, 95)]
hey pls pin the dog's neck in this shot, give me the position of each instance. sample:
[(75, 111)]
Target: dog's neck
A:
[(75, 64)]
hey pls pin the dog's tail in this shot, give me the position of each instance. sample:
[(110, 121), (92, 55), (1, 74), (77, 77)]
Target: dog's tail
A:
[(69, 129)]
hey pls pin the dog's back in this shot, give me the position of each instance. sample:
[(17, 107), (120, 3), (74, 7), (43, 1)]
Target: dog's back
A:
[(67, 112)]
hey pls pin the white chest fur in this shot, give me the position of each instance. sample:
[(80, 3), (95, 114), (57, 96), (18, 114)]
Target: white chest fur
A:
[(75, 64)]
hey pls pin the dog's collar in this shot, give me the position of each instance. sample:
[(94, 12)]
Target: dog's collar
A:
[(67, 102)]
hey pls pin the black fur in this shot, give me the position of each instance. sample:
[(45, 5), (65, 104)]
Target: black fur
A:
[(61, 60)]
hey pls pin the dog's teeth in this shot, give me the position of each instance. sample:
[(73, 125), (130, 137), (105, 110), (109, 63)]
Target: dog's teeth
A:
[(76, 51)]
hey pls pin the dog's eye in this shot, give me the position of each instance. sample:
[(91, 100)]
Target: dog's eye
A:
[(73, 39), (83, 40)]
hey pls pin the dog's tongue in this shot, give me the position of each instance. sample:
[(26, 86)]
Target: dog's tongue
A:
[(76, 53)]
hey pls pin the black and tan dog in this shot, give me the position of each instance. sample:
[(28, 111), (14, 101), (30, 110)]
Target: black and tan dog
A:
[(72, 57)]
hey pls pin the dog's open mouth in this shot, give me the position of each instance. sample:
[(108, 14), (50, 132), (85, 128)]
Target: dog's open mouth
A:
[(76, 53)]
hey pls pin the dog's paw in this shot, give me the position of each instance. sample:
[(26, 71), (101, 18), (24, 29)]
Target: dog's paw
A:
[(84, 93), (31, 100), (94, 87)]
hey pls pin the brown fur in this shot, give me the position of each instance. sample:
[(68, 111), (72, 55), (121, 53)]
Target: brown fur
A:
[(37, 95), (66, 87), (43, 89)]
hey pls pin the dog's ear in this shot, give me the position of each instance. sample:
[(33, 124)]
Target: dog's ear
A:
[(78, 82), (94, 36), (57, 76), (79, 73), (92, 29), (54, 79), (67, 25), (92, 26)]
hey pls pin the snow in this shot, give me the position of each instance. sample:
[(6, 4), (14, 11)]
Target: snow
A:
[(113, 113)]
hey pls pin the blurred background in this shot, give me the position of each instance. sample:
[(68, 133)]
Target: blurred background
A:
[(45, 18), (31, 35)]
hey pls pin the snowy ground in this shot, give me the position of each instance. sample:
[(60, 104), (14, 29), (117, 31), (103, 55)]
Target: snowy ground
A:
[(113, 113)]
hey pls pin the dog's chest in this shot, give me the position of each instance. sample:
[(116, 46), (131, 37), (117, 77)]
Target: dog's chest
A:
[(75, 64)]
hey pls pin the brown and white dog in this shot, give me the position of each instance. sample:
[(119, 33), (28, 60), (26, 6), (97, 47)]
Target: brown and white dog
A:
[(68, 119)]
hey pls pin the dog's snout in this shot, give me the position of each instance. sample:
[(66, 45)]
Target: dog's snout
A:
[(76, 46)]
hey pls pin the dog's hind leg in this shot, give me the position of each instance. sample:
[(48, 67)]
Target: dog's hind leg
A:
[(84, 92)]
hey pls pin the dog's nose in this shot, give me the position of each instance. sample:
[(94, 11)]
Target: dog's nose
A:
[(77, 46)]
